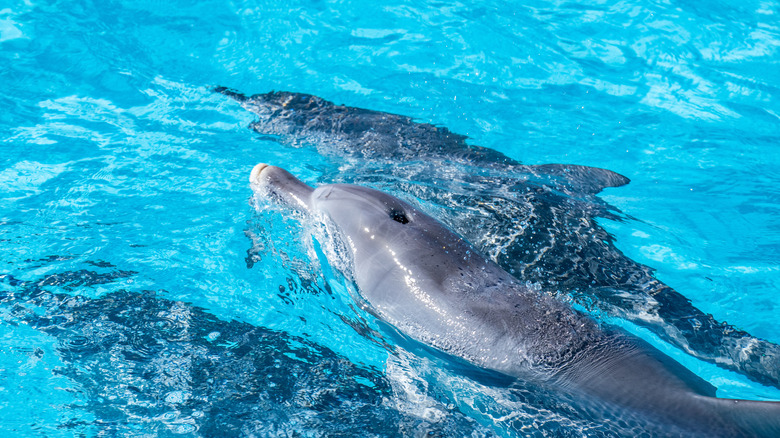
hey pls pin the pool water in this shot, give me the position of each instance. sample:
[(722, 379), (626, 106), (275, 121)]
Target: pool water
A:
[(143, 294)]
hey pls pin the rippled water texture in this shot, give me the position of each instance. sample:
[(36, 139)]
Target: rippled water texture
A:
[(141, 293)]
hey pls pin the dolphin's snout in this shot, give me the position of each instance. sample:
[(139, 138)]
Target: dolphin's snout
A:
[(277, 183), (256, 171)]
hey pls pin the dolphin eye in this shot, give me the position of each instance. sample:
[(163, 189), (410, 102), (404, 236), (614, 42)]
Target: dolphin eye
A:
[(399, 216)]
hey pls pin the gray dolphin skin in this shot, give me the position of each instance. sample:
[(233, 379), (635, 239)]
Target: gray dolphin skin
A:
[(539, 222), (433, 286)]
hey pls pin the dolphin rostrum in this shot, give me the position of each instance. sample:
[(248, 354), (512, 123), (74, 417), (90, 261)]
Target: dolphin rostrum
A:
[(433, 286), (536, 221)]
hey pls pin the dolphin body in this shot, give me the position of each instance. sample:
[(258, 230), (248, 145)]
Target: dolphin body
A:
[(141, 364), (535, 221), (436, 288)]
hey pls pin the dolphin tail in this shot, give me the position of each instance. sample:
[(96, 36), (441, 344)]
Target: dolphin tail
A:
[(750, 418)]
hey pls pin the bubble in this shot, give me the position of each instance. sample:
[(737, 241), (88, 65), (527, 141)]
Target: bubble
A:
[(177, 397)]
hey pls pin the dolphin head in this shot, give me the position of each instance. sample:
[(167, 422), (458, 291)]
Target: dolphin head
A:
[(395, 246), (401, 256), (362, 211)]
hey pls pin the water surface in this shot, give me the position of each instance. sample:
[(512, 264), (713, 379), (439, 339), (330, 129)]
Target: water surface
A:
[(125, 184)]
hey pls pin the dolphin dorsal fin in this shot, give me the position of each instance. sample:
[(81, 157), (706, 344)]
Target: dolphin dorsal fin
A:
[(580, 180)]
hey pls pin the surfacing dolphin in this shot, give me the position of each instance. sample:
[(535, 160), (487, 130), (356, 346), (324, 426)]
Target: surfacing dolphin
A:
[(436, 288), (535, 221)]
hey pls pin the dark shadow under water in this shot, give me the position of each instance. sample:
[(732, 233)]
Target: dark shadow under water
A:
[(171, 368)]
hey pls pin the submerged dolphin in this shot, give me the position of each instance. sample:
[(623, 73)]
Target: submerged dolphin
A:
[(433, 286), (535, 221), (143, 365)]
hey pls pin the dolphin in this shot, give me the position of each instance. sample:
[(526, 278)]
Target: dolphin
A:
[(432, 285), (142, 364), (536, 221)]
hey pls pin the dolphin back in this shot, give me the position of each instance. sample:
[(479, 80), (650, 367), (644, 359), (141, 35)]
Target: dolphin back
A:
[(342, 130)]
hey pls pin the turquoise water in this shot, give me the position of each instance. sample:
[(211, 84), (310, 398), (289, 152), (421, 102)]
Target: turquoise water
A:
[(124, 175)]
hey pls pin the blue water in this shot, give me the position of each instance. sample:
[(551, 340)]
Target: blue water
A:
[(123, 176)]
